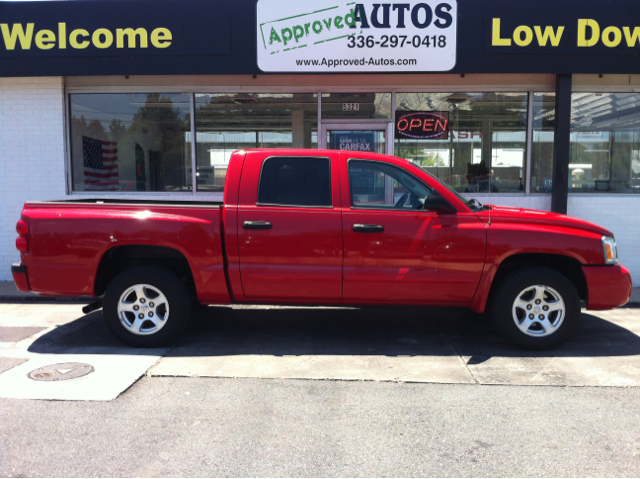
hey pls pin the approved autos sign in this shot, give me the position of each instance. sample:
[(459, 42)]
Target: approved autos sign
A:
[(340, 36)]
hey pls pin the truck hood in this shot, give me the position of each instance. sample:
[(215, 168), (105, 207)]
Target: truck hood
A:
[(503, 214)]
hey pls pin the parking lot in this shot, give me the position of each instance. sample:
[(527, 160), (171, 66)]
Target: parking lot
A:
[(267, 391)]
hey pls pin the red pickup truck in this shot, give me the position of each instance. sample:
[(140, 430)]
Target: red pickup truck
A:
[(313, 227)]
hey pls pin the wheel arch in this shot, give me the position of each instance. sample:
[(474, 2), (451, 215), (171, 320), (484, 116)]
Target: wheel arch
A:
[(569, 267), (120, 258)]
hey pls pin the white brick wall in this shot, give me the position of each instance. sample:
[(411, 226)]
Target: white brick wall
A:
[(621, 215), (533, 202), (31, 152)]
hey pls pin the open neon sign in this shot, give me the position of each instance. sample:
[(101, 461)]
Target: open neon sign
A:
[(423, 125)]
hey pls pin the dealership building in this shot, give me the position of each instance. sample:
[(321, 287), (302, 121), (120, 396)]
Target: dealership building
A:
[(534, 105)]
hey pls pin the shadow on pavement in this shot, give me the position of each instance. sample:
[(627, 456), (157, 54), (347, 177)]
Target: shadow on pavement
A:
[(224, 331), (87, 332)]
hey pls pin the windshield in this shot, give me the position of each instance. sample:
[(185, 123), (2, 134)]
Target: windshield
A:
[(472, 203)]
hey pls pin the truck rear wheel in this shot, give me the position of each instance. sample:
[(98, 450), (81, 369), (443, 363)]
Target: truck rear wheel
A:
[(535, 308), (145, 306)]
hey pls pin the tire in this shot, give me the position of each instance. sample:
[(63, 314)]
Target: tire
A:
[(197, 306), (546, 295), (132, 294)]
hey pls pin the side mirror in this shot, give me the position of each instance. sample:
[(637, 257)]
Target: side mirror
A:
[(438, 204)]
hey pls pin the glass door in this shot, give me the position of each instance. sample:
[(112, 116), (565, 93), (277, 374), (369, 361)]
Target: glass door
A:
[(348, 136)]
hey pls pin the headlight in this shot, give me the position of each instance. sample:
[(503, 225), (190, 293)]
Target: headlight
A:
[(610, 250)]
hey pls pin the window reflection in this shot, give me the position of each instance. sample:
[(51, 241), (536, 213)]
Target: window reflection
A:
[(485, 148), (380, 185), (226, 122), (605, 142), (542, 145), (130, 142)]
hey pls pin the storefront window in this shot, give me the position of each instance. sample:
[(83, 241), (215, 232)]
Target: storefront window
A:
[(356, 106), (130, 142), (475, 142), (605, 143), (542, 145), (226, 122)]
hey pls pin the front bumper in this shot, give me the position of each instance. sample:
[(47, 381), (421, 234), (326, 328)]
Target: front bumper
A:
[(19, 272), (609, 286)]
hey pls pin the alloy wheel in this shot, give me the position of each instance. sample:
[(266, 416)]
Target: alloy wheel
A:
[(143, 309), (538, 310)]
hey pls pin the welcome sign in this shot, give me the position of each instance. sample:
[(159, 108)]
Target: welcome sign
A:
[(342, 36), (109, 29)]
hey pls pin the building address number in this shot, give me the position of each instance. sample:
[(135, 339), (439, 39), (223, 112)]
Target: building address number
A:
[(351, 107)]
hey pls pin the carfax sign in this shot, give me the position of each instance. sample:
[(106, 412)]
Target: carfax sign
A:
[(341, 36)]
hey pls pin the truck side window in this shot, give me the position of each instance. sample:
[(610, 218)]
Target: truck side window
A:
[(295, 181), (380, 185)]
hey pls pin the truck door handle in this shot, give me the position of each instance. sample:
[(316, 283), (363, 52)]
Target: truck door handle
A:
[(256, 225), (368, 228)]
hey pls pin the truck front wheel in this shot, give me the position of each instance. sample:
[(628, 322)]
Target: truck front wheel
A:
[(145, 306), (535, 308)]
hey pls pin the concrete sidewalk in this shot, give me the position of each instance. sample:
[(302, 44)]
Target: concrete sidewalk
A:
[(8, 291), (423, 345)]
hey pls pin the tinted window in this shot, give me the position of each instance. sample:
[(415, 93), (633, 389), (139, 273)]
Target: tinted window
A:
[(295, 181)]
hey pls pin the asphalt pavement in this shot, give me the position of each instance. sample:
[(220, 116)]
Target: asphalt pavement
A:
[(185, 427)]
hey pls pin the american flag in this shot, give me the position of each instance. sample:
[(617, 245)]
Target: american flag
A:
[(100, 165)]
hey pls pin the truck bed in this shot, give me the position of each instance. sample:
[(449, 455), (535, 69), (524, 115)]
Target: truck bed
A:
[(77, 246)]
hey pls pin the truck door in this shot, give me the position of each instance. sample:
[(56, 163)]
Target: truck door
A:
[(396, 248), (290, 227)]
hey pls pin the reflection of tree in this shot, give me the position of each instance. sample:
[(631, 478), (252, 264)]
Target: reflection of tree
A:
[(541, 165), (91, 129), (116, 129), (157, 127), (432, 159), (621, 156), (421, 158)]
